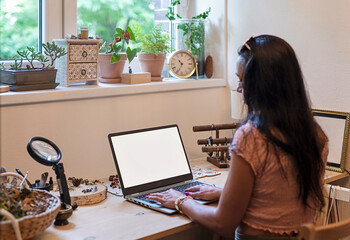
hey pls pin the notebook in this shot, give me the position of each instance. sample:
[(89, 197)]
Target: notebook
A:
[(151, 160)]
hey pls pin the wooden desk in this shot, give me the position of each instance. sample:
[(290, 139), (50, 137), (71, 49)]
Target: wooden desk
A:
[(116, 218)]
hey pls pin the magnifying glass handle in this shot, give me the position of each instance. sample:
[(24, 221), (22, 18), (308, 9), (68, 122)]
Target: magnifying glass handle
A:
[(62, 183)]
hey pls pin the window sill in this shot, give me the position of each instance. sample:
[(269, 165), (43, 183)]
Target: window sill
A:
[(105, 90)]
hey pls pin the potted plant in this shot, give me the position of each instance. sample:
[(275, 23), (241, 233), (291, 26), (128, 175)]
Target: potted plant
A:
[(30, 77), (112, 62), (189, 34), (154, 47)]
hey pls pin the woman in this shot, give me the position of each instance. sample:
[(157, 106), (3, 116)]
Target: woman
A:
[(278, 154)]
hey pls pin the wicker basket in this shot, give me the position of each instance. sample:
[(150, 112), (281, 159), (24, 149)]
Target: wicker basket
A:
[(32, 225)]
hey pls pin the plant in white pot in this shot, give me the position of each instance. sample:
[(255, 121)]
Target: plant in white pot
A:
[(112, 61), (154, 47)]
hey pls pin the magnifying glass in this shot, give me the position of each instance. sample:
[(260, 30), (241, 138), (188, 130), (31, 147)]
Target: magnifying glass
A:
[(47, 153)]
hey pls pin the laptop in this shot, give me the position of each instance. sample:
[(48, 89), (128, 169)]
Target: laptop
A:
[(151, 160)]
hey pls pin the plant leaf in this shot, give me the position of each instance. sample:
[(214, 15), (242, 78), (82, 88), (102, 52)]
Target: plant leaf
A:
[(119, 32), (131, 54), (115, 58), (134, 52), (116, 48), (132, 35)]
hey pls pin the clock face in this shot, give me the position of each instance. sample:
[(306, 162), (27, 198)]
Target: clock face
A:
[(182, 64)]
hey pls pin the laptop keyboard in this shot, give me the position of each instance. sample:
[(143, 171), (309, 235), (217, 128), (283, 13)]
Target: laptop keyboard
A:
[(178, 188)]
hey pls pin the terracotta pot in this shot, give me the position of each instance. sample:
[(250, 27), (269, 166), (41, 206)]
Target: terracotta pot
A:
[(153, 64), (110, 72)]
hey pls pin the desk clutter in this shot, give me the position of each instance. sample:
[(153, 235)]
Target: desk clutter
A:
[(113, 185), (199, 172), (25, 212), (84, 192), (217, 148)]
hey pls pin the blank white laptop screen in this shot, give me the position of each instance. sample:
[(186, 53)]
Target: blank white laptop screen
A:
[(149, 156)]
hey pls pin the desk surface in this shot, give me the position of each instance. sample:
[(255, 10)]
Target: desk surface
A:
[(124, 220)]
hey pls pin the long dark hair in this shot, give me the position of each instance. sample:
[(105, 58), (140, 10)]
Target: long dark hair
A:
[(274, 91)]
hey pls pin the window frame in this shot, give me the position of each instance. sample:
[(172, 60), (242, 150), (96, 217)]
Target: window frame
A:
[(41, 22), (59, 19)]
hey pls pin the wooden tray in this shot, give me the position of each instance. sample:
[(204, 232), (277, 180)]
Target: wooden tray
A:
[(80, 198), (18, 88)]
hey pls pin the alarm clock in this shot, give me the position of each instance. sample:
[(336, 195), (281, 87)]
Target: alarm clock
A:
[(182, 64)]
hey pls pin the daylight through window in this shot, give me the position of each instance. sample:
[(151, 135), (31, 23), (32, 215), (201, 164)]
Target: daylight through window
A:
[(102, 17), (19, 27)]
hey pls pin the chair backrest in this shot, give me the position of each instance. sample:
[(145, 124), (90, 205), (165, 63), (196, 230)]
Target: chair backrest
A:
[(332, 231)]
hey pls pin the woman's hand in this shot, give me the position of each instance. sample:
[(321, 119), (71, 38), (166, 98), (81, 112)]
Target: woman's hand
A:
[(167, 198), (204, 192)]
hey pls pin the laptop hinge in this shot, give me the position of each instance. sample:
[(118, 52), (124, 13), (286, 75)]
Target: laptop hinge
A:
[(133, 195)]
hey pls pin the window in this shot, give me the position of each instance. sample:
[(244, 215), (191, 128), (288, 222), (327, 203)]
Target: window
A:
[(102, 17), (20, 20), (19, 26)]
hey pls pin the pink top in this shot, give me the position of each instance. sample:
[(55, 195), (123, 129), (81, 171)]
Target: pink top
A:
[(274, 205)]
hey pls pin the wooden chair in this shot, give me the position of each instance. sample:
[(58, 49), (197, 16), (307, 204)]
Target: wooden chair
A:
[(332, 231)]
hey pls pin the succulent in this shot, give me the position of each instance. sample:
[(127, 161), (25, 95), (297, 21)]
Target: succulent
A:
[(17, 64), (51, 50), (30, 55)]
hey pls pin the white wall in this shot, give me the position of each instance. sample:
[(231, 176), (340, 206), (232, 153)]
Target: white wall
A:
[(80, 127), (319, 32), (214, 31)]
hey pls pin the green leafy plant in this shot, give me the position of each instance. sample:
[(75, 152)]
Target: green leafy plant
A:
[(17, 64), (192, 31), (120, 37), (170, 14), (30, 55), (155, 42), (195, 34), (51, 50)]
